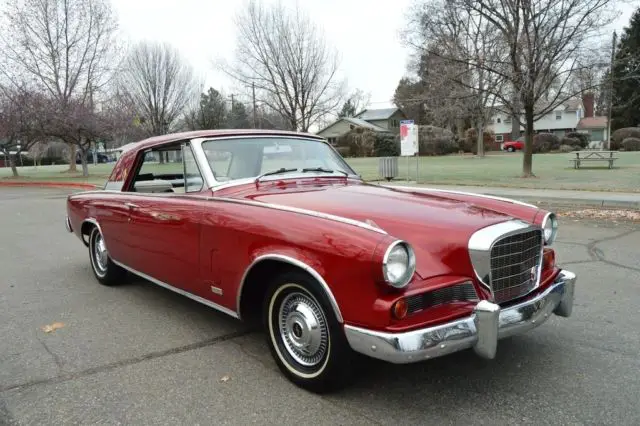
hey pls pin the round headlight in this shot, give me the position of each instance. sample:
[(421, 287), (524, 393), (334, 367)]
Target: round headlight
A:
[(399, 264), (550, 228)]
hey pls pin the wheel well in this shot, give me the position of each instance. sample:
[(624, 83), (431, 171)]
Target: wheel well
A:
[(85, 230), (256, 284)]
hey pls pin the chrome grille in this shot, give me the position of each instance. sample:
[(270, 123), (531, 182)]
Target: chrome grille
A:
[(515, 261), (455, 293)]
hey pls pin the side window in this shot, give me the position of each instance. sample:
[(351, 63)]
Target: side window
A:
[(158, 170), (192, 177)]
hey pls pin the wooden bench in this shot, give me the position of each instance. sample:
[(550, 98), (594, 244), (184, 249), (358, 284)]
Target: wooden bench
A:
[(603, 156)]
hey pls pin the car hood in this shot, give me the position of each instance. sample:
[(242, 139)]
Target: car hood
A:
[(436, 225)]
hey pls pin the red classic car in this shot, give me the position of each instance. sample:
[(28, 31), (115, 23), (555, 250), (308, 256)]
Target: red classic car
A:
[(277, 227)]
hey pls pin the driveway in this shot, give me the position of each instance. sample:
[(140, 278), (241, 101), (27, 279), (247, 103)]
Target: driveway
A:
[(139, 354)]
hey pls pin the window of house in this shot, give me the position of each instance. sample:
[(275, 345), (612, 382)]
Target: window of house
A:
[(507, 120), (498, 120), (499, 138), (395, 123), (558, 115)]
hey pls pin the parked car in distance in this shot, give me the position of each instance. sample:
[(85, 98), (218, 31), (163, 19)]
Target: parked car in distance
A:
[(512, 146), (275, 227), (100, 158)]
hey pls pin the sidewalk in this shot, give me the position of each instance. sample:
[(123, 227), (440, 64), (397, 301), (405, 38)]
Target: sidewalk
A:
[(554, 196)]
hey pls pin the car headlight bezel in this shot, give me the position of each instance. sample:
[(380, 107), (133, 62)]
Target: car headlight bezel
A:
[(410, 266), (550, 228)]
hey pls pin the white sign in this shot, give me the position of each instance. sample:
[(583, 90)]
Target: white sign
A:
[(408, 138)]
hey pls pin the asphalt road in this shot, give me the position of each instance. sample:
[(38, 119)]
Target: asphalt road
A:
[(139, 354)]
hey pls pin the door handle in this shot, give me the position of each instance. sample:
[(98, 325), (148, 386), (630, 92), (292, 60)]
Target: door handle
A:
[(131, 205)]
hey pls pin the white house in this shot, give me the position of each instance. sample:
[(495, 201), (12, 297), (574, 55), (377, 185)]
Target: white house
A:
[(576, 115)]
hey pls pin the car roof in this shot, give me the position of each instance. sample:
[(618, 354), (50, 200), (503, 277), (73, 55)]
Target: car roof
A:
[(176, 137)]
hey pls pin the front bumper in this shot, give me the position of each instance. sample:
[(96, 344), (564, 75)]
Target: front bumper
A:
[(480, 331)]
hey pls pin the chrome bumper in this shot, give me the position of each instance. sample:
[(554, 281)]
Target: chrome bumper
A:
[(67, 224), (480, 331)]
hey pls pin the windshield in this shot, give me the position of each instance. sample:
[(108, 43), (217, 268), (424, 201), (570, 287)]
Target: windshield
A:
[(249, 157)]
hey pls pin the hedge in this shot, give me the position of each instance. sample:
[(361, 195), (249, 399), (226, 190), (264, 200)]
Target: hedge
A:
[(620, 135), (545, 142), (631, 144), (583, 139), (470, 142)]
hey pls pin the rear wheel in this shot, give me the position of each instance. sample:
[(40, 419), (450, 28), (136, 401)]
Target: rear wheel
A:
[(304, 336), (105, 271)]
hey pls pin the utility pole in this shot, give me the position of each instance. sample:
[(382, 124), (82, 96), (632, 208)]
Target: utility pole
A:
[(255, 111), (610, 106)]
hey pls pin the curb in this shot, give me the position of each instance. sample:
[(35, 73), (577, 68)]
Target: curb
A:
[(44, 184), (568, 201), (578, 202)]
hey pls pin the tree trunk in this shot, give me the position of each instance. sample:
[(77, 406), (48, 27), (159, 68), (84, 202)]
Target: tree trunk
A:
[(480, 139), (12, 163), (83, 161), (515, 120), (527, 158), (72, 158)]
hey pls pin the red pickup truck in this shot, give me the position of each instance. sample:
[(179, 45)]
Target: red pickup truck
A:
[(512, 146)]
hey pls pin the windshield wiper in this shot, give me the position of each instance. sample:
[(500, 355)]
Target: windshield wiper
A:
[(275, 172), (322, 169)]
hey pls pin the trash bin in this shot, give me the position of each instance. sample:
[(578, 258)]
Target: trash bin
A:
[(388, 167)]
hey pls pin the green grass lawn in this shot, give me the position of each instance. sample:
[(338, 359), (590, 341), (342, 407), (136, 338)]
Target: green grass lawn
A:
[(553, 171)]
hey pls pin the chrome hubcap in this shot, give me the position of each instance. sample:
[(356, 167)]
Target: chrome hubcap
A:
[(303, 329), (100, 253)]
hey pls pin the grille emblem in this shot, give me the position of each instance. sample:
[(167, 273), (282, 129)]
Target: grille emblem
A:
[(533, 275)]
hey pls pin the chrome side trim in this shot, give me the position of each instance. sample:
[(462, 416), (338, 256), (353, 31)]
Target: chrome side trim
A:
[(177, 290), (480, 331), (449, 191), (299, 264), (313, 213), (67, 224)]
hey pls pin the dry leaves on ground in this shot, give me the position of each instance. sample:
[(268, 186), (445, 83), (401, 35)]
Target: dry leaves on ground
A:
[(606, 214), (52, 327)]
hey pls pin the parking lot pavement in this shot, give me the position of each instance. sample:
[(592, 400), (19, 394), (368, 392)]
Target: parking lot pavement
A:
[(139, 354)]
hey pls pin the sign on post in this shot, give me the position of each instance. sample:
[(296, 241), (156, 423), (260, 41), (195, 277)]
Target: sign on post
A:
[(409, 143), (408, 138)]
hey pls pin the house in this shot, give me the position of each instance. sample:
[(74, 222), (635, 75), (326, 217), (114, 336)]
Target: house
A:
[(574, 115), (386, 120)]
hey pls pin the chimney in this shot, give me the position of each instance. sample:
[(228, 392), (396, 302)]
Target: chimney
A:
[(587, 101)]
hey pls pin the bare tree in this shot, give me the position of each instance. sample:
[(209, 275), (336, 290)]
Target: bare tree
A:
[(286, 57), (64, 48), (19, 112), (544, 42), (451, 34), (160, 84)]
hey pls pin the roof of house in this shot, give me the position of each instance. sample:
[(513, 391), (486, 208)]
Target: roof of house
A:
[(377, 114), (598, 122), (357, 122), (362, 123)]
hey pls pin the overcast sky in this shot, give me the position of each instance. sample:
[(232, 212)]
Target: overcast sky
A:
[(365, 32)]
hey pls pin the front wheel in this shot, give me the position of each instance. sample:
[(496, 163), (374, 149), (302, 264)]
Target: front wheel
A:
[(511, 149), (304, 336), (106, 272)]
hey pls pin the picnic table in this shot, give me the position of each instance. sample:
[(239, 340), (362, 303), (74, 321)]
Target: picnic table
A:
[(604, 156)]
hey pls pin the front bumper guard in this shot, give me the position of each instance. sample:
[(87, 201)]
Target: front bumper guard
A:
[(480, 331)]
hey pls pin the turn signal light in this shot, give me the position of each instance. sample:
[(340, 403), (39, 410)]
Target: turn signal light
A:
[(400, 309), (548, 259)]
